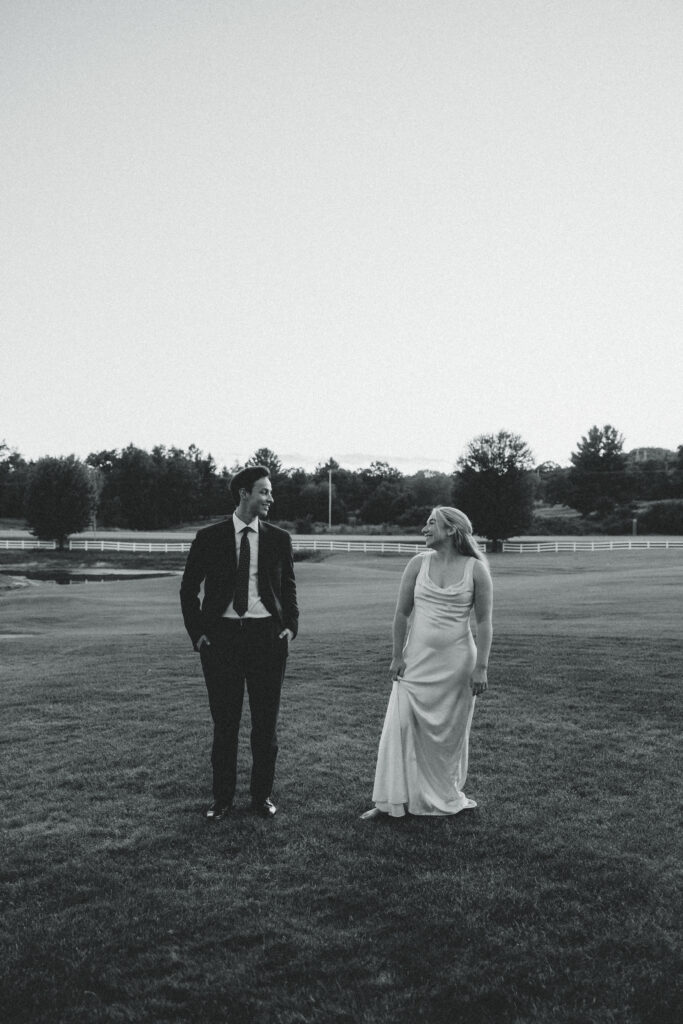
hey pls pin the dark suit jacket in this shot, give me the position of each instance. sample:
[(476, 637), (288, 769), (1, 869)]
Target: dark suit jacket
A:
[(212, 561)]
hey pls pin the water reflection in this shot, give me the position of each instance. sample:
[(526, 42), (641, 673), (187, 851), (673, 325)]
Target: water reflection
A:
[(65, 577)]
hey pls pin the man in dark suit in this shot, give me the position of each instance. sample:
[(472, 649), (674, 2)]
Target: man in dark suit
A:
[(242, 630)]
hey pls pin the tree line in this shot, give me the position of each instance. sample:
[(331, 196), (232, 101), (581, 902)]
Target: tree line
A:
[(495, 481)]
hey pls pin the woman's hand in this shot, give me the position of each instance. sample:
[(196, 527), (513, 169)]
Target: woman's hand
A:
[(397, 668), (478, 681)]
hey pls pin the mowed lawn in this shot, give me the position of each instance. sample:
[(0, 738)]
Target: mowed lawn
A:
[(555, 901)]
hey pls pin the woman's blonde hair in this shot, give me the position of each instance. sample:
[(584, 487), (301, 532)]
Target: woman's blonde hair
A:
[(463, 539)]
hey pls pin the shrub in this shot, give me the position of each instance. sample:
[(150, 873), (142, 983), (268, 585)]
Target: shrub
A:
[(308, 555), (59, 499), (545, 526), (618, 521), (664, 517)]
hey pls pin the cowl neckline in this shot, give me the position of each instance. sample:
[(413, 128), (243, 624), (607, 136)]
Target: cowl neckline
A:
[(451, 586)]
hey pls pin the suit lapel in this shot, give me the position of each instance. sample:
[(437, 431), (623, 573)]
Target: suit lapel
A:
[(265, 557), (263, 548), (228, 546)]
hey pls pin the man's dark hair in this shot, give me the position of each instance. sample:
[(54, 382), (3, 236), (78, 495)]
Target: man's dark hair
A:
[(247, 478)]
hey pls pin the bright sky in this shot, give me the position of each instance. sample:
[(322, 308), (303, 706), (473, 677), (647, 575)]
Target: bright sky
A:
[(365, 229)]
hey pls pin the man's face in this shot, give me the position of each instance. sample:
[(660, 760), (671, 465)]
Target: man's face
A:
[(259, 501)]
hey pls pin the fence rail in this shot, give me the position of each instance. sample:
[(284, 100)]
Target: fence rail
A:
[(536, 547), (299, 544), (367, 547), (130, 545), (27, 545)]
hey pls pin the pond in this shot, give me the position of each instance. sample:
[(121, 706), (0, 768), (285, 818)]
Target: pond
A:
[(68, 576)]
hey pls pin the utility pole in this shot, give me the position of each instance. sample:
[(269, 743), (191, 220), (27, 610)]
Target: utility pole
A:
[(329, 500)]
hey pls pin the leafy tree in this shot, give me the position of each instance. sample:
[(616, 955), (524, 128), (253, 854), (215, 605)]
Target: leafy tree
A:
[(381, 471), (421, 492), (677, 474), (348, 489), (104, 461), (210, 500), (129, 497), (178, 486), (60, 498), (655, 478), (13, 474), (266, 457), (386, 503), (649, 480), (165, 488), (663, 517), (546, 474), (596, 481), (314, 501), (554, 487), (494, 485), (602, 449), (427, 487), (323, 468), (287, 493)]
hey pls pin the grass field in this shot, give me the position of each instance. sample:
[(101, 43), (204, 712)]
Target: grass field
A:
[(555, 902)]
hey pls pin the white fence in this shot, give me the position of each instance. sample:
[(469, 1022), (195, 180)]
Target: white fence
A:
[(130, 545), (26, 545), (365, 546), (298, 543), (588, 545)]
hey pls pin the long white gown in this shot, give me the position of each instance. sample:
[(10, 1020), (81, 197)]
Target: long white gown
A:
[(423, 749)]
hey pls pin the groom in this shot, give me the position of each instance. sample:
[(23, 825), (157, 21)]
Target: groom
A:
[(242, 631)]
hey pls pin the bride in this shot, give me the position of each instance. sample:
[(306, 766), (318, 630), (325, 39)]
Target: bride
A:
[(436, 673)]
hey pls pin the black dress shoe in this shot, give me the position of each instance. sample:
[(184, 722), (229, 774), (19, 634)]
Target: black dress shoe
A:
[(218, 810), (266, 808)]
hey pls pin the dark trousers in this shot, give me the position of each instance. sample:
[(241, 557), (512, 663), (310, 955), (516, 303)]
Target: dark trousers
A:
[(244, 651)]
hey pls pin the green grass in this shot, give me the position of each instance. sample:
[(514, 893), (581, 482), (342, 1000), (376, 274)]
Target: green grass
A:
[(554, 901)]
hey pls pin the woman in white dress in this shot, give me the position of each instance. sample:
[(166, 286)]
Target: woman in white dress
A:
[(436, 673)]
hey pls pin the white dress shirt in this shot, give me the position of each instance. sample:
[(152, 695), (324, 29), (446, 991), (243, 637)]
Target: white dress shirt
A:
[(255, 606)]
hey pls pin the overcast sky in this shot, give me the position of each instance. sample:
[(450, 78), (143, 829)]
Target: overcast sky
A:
[(365, 229)]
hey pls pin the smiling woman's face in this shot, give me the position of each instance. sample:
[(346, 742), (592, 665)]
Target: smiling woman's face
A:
[(434, 533)]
